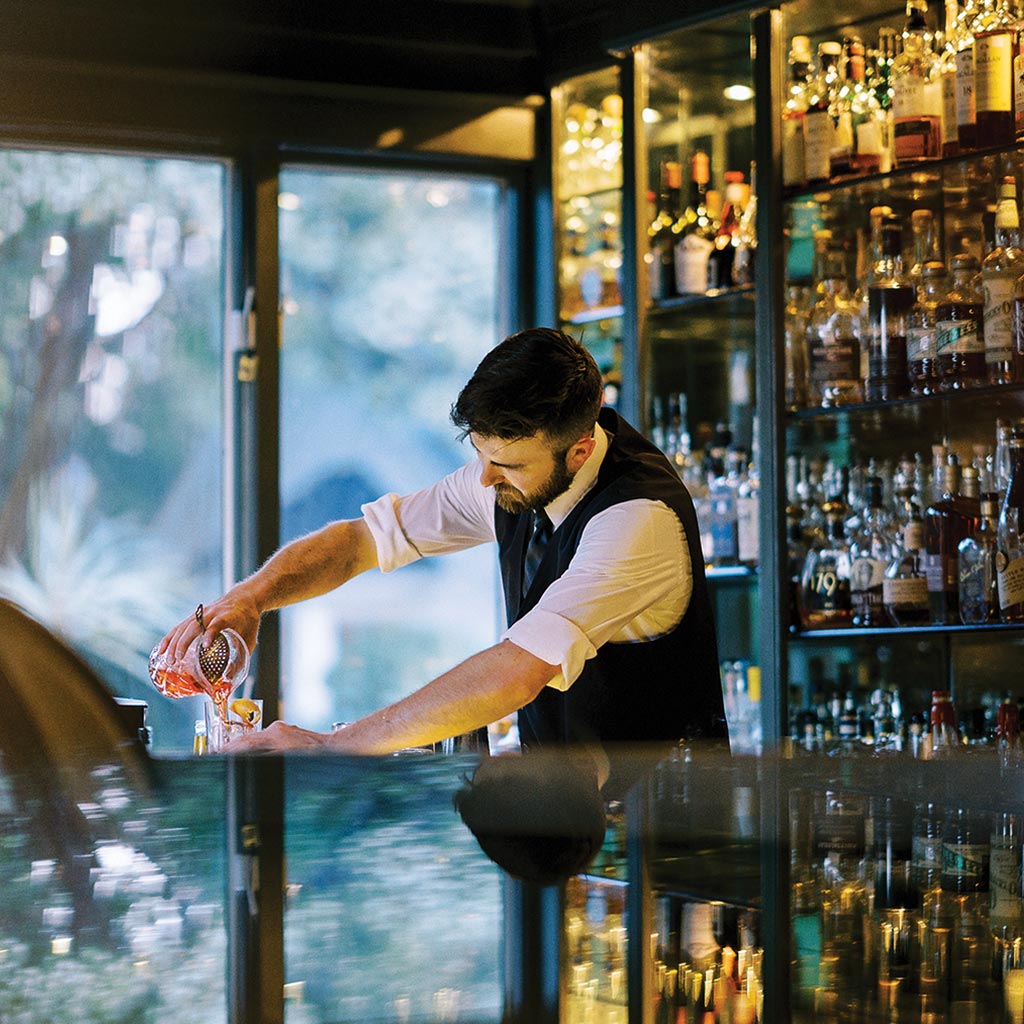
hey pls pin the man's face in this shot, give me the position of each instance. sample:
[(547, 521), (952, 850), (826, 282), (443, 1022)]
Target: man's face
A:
[(526, 473)]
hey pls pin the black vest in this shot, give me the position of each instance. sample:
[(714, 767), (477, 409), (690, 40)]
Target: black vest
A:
[(657, 690)]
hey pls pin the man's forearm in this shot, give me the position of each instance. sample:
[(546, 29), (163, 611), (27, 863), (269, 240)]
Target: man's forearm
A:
[(312, 565), (482, 689)]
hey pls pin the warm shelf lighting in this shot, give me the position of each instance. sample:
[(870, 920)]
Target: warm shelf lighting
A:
[(650, 115), (738, 92)]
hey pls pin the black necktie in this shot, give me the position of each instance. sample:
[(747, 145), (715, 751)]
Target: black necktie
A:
[(535, 549)]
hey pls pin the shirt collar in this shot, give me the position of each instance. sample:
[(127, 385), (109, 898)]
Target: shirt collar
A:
[(582, 482)]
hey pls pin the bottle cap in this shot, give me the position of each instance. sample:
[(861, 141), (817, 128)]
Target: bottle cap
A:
[(964, 261), (934, 268), (829, 49)]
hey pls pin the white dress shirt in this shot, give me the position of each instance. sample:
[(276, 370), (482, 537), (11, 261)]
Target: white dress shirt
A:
[(630, 579)]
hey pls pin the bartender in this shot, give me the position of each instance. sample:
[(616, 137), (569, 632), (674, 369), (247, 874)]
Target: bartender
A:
[(610, 634)]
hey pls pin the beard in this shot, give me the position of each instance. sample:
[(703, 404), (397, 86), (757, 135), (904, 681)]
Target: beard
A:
[(513, 500)]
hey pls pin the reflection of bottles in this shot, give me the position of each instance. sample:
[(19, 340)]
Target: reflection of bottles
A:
[(1006, 916), (961, 344), (695, 233), (795, 335), (979, 596), (745, 239), (917, 92), (833, 339), (794, 112), (890, 298), (825, 581), (943, 735), (923, 330), (1010, 559), (999, 273)]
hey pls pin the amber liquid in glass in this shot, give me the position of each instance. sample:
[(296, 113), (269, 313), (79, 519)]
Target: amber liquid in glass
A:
[(182, 684)]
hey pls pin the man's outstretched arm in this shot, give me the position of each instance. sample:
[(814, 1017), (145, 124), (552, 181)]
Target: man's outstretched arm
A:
[(482, 689)]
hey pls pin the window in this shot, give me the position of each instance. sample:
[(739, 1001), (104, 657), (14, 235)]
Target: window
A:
[(390, 294), (111, 297)]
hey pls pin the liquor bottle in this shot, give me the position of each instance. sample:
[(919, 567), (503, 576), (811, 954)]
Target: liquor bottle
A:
[(994, 31), (922, 244), (695, 232), (794, 111), (571, 268), (745, 238), (723, 255), (966, 106), (1003, 464), (724, 523), (1006, 912), (961, 344), (917, 92), (819, 124), (923, 330), (943, 735), (1008, 739), (796, 555), (748, 504), (892, 852), (660, 236), (952, 31), (999, 273), (890, 298), (609, 261), (1010, 560), (871, 553), (833, 339), (860, 121), (795, 323), (976, 560), (825, 580), (905, 587), (947, 522)]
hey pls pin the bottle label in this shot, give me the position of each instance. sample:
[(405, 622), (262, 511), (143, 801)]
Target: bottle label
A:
[(913, 535), (906, 592), (1011, 580), (833, 360), (917, 137), (748, 530), (959, 336), (820, 131), (1005, 877), (867, 573), (993, 73), (965, 867), (966, 111), (935, 571), (920, 343), (908, 98), (949, 133), (793, 150), (1018, 94), (839, 833), (692, 255), (998, 338)]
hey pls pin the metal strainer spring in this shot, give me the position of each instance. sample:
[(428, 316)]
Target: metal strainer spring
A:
[(213, 660)]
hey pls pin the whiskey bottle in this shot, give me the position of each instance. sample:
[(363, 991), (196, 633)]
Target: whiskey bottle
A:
[(947, 69), (1010, 558), (694, 232), (923, 330), (890, 299), (794, 112), (861, 124), (661, 236), (833, 339), (943, 735), (966, 106), (923, 247), (1006, 912), (825, 580), (905, 587), (795, 323), (917, 92), (819, 124), (961, 338), (999, 273), (947, 522), (871, 552), (994, 32), (979, 596)]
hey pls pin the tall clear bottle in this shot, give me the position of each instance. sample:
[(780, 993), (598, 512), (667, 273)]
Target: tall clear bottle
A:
[(952, 31), (1000, 271), (923, 331), (966, 106), (871, 552), (694, 235), (1010, 559), (976, 560), (890, 299), (833, 338), (961, 339), (795, 324), (794, 113), (917, 92)]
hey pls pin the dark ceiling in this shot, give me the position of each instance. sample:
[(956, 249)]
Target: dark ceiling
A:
[(497, 47)]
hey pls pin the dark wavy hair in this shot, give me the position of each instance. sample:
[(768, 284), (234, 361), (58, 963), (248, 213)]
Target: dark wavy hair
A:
[(539, 380)]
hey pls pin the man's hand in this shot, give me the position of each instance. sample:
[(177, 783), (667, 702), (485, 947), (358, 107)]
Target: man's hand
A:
[(235, 610), (278, 737)]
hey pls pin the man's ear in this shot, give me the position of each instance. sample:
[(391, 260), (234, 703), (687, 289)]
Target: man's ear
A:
[(579, 453)]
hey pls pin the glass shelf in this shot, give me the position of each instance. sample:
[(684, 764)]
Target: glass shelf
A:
[(968, 394), (590, 316), (668, 306), (743, 573), (853, 632)]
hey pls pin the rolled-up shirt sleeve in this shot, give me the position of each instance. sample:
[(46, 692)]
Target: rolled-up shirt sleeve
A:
[(453, 514), (629, 581)]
